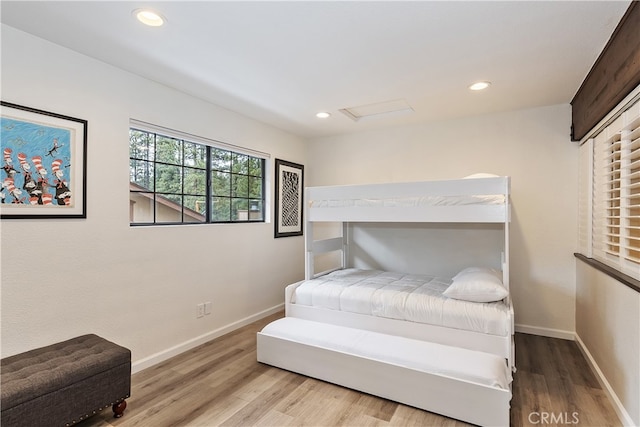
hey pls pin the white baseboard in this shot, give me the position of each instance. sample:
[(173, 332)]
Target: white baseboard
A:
[(161, 356), (613, 398), (546, 332)]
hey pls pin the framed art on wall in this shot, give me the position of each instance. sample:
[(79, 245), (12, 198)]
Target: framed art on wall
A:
[(289, 198), (44, 164)]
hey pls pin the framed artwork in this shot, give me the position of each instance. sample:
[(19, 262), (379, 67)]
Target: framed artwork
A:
[(44, 164), (289, 198)]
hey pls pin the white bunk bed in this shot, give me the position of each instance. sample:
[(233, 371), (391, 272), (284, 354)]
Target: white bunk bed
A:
[(471, 201)]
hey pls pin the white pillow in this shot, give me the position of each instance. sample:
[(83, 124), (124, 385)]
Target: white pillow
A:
[(481, 175), (477, 284)]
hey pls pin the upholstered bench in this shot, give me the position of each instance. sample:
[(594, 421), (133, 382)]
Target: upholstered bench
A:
[(64, 383)]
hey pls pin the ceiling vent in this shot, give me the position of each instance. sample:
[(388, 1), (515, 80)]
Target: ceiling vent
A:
[(379, 109)]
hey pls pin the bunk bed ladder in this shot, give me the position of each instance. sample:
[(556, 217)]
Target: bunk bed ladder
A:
[(315, 247)]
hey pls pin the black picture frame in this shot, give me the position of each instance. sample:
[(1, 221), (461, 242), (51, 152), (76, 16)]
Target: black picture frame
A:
[(289, 199), (44, 164)]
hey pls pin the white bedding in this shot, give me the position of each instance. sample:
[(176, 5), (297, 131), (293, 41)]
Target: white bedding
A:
[(452, 362), (416, 298), (407, 202)]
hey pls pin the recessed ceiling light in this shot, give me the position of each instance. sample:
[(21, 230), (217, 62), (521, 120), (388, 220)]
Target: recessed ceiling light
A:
[(480, 85), (149, 17), (323, 115)]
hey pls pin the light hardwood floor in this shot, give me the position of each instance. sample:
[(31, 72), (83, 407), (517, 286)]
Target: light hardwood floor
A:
[(221, 384)]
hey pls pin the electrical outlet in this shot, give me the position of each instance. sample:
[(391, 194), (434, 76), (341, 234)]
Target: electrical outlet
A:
[(207, 307), (200, 310)]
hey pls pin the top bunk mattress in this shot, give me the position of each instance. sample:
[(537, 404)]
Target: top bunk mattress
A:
[(412, 297), (462, 200), (410, 202)]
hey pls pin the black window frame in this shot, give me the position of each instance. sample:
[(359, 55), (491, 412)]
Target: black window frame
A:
[(252, 201)]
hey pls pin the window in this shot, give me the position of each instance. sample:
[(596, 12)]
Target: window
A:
[(609, 226), (176, 179)]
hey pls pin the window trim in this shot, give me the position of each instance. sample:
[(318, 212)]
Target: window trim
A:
[(210, 144), (138, 124), (610, 271), (590, 249)]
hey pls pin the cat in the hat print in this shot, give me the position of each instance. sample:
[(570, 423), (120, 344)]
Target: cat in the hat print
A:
[(63, 194), (30, 185), (13, 191), (54, 149), (36, 164), (8, 163), (42, 185)]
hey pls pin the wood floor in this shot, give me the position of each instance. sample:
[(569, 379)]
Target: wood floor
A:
[(221, 384)]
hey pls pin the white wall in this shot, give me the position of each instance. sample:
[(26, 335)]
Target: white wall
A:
[(608, 326), (532, 146), (136, 286), (425, 248), (139, 286)]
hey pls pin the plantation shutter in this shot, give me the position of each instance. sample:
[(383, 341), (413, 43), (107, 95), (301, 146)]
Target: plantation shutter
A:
[(630, 191), (616, 194), (585, 199), (606, 197)]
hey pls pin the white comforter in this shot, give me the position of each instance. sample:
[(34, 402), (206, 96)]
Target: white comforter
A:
[(416, 298)]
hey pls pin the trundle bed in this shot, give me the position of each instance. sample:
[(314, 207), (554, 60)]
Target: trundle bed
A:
[(431, 339)]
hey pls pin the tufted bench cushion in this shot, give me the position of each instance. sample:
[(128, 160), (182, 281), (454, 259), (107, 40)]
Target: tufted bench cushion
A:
[(64, 383)]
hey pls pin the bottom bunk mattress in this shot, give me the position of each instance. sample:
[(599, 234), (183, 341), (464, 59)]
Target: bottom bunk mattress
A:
[(412, 297), (469, 385)]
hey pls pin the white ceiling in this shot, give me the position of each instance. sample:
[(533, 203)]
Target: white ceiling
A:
[(281, 62)]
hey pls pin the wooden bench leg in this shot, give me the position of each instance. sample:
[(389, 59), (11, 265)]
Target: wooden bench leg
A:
[(118, 409)]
